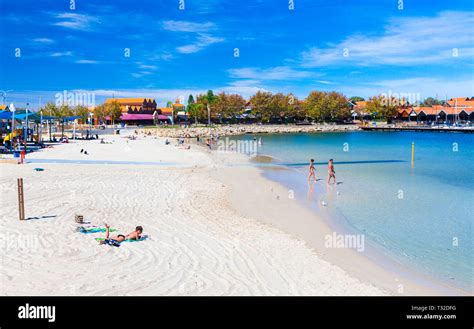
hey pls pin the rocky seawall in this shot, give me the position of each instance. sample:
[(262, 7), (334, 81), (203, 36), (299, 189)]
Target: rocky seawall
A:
[(232, 130)]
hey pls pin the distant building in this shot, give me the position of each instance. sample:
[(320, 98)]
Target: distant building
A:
[(455, 110), (140, 111), (135, 105)]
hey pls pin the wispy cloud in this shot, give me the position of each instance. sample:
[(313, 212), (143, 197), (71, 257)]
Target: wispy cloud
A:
[(424, 86), (61, 54), (43, 40), (324, 82), (200, 30), (86, 61), (164, 56), (147, 67), (203, 41), (185, 26), (76, 21), (404, 41), (141, 74), (273, 73)]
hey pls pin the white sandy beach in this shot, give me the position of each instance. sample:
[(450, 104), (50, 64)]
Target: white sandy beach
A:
[(208, 225)]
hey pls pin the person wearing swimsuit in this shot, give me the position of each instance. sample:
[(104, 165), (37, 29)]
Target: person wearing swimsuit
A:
[(312, 172), (116, 240), (331, 171)]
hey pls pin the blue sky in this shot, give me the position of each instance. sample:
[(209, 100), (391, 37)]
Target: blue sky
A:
[(354, 47)]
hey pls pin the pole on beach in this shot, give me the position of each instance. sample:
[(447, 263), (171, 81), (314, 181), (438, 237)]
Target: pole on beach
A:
[(21, 199), (412, 154)]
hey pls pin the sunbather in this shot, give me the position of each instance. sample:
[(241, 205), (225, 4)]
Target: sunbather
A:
[(116, 240)]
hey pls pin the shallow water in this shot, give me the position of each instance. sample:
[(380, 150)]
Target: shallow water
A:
[(421, 216)]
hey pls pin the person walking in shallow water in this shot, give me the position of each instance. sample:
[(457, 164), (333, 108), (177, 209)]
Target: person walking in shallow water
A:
[(331, 171), (312, 172)]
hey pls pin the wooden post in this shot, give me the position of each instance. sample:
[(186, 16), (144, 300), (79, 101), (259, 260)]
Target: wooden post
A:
[(21, 199), (413, 154)]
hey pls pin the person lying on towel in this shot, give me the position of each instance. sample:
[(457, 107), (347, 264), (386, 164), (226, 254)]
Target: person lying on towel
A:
[(116, 240)]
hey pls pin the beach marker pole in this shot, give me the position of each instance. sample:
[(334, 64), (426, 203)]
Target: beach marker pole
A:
[(21, 199), (412, 154)]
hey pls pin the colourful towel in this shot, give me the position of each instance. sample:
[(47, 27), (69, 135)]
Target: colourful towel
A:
[(95, 230), (128, 240)]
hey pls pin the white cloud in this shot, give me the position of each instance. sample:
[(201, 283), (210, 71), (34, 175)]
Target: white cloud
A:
[(43, 40), (324, 82), (203, 41), (404, 41), (86, 61), (273, 73), (76, 21), (141, 74), (189, 49), (424, 86), (184, 26), (161, 57), (61, 54), (147, 67)]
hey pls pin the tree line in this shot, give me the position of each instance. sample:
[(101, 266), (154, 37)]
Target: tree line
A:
[(101, 112), (319, 106), (266, 107)]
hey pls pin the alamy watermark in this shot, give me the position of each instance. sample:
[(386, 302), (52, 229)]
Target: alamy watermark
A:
[(349, 241), (9, 242), (227, 145), (400, 99), (75, 98)]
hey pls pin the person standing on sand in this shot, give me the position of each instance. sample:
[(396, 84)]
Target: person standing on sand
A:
[(312, 172), (331, 171)]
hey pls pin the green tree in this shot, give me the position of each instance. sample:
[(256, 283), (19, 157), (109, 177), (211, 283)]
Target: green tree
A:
[(81, 111), (50, 109), (355, 99), (196, 112), (64, 111), (327, 106), (339, 107), (208, 100), (381, 107), (261, 104), (278, 106), (430, 101), (190, 99), (229, 105), (236, 104), (113, 110), (314, 105), (293, 107), (100, 112)]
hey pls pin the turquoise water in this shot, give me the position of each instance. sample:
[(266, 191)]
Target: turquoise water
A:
[(421, 216)]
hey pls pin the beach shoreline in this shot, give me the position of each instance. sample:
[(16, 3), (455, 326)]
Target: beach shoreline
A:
[(216, 224), (274, 208)]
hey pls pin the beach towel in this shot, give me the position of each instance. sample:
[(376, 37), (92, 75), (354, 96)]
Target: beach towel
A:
[(143, 238), (94, 230)]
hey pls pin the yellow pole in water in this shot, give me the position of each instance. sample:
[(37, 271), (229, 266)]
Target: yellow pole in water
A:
[(412, 154)]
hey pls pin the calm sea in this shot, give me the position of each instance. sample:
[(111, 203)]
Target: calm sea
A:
[(421, 216)]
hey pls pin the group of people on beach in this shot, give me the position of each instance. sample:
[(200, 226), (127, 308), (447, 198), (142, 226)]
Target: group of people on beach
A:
[(331, 171)]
